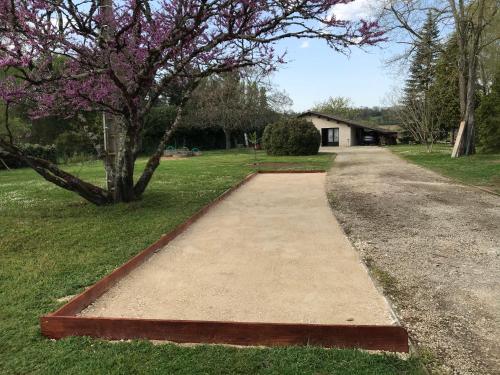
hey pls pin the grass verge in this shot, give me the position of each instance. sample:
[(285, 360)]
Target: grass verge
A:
[(480, 169), (53, 244)]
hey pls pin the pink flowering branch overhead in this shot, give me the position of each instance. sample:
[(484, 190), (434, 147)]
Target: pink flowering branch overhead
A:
[(119, 57)]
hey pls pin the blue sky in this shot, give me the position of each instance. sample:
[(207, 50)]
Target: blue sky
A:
[(315, 72)]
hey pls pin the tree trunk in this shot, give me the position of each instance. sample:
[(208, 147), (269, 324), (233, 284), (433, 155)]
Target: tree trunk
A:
[(51, 172), (154, 160), (468, 29), (465, 142), (469, 141), (57, 176), (123, 184), (227, 133)]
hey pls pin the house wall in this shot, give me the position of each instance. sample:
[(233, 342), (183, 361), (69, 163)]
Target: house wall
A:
[(346, 133)]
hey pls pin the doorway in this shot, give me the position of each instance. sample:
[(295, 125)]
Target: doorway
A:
[(330, 137)]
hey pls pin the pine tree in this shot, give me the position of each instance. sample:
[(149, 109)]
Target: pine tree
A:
[(418, 114), (423, 65), (443, 92)]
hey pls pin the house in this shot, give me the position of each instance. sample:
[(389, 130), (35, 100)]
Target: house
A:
[(339, 132)]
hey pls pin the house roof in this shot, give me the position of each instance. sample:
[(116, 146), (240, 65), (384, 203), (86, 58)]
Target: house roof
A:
[(347, 122)]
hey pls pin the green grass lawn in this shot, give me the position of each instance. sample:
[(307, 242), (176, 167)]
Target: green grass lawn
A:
[(53, 244), (480, 169)]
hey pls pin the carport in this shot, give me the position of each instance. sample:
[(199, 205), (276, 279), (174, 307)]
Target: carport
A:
[(366, 136)]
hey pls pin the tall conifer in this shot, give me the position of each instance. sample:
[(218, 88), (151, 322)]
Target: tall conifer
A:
[(423, 64)]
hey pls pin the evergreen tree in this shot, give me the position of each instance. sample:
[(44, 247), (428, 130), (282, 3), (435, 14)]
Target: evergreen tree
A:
[(419, 116), (444, 90), (488, 119), (423, 65)]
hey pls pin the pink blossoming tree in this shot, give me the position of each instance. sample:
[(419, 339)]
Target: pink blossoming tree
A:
[(119, 58)]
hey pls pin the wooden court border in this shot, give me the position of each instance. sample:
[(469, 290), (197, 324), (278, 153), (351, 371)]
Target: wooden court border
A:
[(65, 321)]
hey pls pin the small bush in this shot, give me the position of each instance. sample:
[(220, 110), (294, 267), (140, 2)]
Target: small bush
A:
[(291, 137), (42, 152), (74, 144)]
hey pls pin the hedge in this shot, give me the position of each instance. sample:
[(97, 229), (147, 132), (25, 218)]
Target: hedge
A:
[(292, 136)]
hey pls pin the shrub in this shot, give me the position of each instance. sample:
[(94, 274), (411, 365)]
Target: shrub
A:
[(293, 136), (72, 143), (42, 152)]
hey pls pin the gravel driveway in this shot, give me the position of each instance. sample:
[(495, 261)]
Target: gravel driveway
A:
[(434, 245)]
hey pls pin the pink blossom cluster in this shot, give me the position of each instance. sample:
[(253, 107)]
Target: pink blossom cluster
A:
[(120, 56)]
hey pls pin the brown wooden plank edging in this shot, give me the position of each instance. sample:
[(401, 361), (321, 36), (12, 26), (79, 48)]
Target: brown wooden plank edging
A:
[(390, 338), (292, 171), (64, 322)]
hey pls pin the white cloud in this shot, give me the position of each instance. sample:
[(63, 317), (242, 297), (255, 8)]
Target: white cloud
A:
[(305, 44), (353, 11)]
